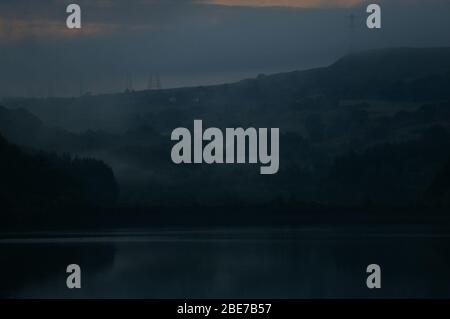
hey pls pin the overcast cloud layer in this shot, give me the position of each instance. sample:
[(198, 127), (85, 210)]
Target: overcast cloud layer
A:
[(193, 42)]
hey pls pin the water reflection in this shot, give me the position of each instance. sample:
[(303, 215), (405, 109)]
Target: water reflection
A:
[(229, 264)]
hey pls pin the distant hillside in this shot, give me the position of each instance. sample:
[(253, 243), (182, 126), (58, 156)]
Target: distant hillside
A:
[(23, 128), (353, 132), (396, 63), (403, 74)]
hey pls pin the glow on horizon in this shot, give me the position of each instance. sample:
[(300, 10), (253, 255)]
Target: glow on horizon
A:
[(286, 3)]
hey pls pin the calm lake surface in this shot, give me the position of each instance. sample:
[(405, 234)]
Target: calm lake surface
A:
[(229, 263)]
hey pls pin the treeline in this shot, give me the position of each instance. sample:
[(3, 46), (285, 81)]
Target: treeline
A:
[(410, 172), (36, 187)]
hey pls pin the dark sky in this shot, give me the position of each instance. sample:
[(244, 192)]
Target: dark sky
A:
[(192, 42)]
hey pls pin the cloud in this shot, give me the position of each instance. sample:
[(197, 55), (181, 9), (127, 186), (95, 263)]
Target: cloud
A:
[(18, 29), (193, 42), (286, 3), (26, 19)]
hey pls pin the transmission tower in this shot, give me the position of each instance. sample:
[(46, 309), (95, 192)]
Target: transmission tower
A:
[(158, 82), (351, 31), (128, 83), (150, 82)]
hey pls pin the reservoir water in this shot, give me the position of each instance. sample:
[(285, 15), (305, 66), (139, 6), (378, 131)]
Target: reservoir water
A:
[(229, 263)]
